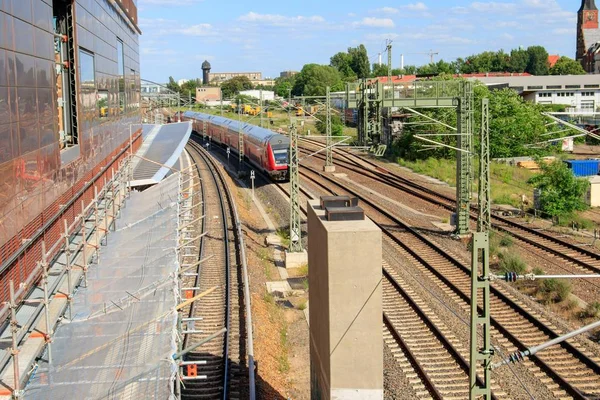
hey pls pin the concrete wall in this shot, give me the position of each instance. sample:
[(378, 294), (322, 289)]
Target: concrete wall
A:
[(345, 295)]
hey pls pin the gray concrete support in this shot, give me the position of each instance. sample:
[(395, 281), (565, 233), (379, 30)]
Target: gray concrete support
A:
[(345, 296)]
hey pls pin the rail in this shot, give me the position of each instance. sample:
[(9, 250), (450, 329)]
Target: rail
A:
[(244, 269)]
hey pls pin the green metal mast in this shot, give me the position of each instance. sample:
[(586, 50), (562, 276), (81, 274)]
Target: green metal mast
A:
[(480, 283), (329, 143), (295, 229), (464, 172)]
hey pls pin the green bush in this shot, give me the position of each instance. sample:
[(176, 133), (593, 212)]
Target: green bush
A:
[(555, 289), (511, 262)]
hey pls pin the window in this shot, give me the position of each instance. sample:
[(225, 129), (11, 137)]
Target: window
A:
[(572, 86), (553, 87), (591, 86), (121, 74), (103, 106), (587, 105), (588, 94), (86, 69), (534, 87)]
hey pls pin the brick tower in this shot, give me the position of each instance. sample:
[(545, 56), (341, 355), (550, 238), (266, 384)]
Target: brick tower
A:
[(587, 28)]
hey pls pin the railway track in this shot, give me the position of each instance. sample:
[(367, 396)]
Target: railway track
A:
[(214, 370), (578, 259), (566, 370)]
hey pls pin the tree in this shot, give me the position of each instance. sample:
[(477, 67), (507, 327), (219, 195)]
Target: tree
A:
[(189, 88), (538, 60), (342, 62), (284, 85), (337, 127), (379, 70), (172, 85), (360, 61), (519, 58), (567, 66), (233, 86), (561, 192), (314, 79), (514, 124)]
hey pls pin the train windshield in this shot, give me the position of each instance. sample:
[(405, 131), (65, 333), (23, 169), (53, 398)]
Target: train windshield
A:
[(281, 157)]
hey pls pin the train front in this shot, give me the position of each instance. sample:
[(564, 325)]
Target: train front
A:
[(279, 147)]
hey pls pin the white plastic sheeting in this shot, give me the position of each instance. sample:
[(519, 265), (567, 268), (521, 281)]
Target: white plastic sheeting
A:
[(120, 342)]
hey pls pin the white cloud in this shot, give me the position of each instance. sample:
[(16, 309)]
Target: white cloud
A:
[(418, 7), (493, 6), (280, 20), (380, 37), (195, 30), (376, 22)]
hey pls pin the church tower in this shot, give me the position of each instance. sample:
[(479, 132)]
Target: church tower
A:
[(587, 27)]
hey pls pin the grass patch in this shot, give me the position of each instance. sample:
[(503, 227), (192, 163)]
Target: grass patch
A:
[(592, 310), (576, 220), (284, 236), (302, 305), (303, 270), (508, 182), (511, 262), (555, 290), (506, 241), (305, 283), (282, 359), (268, 298)]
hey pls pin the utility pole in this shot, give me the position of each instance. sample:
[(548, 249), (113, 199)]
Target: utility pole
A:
[(480, 277), (260, 107), (389, 53), (295, 228)]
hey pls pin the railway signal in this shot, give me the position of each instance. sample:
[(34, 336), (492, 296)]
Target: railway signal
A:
[(228, 152), (252, 176)]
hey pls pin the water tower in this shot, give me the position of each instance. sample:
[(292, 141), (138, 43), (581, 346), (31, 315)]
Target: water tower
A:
[(205, 72)]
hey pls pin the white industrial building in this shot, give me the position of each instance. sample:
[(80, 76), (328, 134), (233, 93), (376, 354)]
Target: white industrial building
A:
[(266, 94), (579, 92)]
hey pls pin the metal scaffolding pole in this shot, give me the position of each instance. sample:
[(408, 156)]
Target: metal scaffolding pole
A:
[(329, 158), (480, 277), (295, 228)]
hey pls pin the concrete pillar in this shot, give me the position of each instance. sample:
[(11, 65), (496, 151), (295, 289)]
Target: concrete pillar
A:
[(345, 295)]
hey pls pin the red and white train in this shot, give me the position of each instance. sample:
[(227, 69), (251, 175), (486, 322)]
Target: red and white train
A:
[(264, 149)]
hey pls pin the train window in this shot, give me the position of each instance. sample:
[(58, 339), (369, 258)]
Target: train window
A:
[(281, 157)]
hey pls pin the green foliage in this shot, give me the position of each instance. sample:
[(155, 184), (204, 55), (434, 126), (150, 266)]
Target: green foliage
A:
[(511, 262), (555, 290), (538, 60), (233, 86), (337, 127), (360, 61), (284, 85), (514, 123), (314, 79), (506, 241), (172, 85), (519, 58), (561, 192), (379, 70), (189, 88), (567, 66), (353, 64)]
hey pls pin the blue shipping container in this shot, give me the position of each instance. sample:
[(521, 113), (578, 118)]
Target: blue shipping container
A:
[(584, 167)]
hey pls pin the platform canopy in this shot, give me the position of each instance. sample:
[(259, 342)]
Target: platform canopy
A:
[(162, 146)]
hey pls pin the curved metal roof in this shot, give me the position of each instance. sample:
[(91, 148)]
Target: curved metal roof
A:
[(256, 132)]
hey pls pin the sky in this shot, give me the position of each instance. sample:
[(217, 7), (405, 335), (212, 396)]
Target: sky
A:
[(271, 36)]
